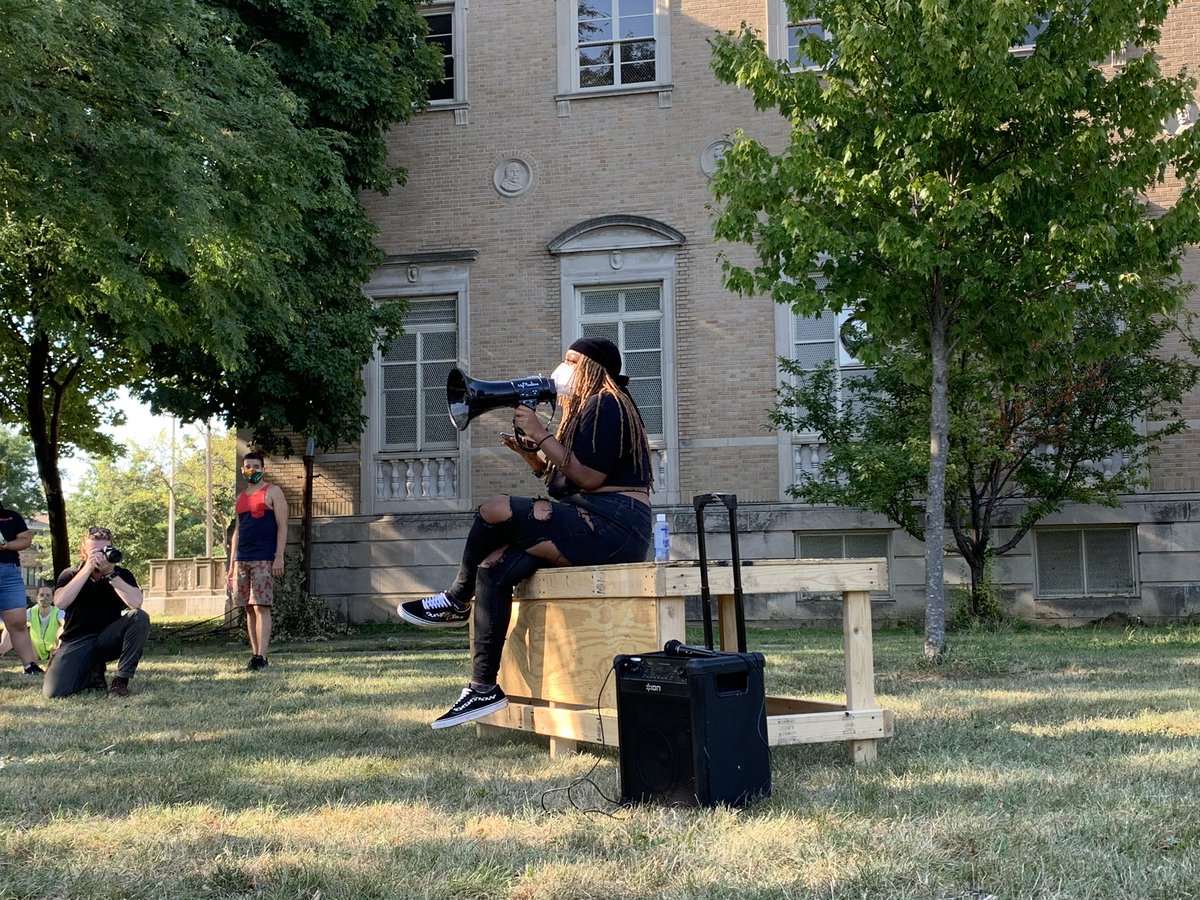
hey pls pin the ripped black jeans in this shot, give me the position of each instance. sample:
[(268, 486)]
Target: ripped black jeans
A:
[(587, 529)]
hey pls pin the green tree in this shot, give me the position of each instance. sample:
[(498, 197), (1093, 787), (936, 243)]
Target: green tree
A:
[(1081, 433), (131, 495), (172, 214), (949, 193), (359, 66), (19, 488)]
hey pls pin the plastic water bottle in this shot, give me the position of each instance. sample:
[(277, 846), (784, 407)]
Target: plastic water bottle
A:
[(662, 539)]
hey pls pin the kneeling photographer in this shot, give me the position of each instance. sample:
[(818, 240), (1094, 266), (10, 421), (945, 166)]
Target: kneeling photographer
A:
[(104, 622)]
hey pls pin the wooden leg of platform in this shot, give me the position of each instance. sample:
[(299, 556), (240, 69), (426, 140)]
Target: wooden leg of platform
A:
[(562, 746), (727, 623), (859, 653), (862, 753)]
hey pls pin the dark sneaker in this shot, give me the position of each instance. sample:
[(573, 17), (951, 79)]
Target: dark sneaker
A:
[(438, 611), (98, 682), (34, 669), (256, 663), (473, 704), (120, 687)]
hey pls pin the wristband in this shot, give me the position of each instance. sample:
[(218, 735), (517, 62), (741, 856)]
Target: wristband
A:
[(543, 440)]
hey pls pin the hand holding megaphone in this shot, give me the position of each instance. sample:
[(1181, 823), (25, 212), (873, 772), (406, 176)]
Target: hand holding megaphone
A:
[(528, 430)]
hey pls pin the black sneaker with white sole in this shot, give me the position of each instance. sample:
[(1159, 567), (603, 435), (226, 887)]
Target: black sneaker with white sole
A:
[(438, 611), (473, 704)]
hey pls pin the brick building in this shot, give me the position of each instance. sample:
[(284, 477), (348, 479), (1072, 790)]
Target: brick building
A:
[(551, 195)]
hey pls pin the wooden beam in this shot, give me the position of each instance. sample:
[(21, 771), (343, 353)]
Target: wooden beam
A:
[(681, 578), (576, 724)]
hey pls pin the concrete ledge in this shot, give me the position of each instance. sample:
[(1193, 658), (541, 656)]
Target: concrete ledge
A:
[(198, 605)]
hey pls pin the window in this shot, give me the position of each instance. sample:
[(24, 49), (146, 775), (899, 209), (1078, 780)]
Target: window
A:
[(813, 341), (413, 379), (445, 22), (796, 33), (1084, 562), (848, 545), (818, 340), (631, 317), (613, 46), (617, 280), (615, 42), (410, 456), (786, 36), (1026, 42)]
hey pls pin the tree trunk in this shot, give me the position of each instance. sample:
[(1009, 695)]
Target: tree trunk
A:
[(43, 432), (977, 564), (935, 496)]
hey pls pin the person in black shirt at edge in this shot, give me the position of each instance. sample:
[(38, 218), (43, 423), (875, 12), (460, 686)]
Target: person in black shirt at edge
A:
[(15, 536), (105, 622), (597, 469)]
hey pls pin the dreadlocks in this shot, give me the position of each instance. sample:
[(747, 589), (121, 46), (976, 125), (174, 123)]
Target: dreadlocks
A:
[(591, 380)]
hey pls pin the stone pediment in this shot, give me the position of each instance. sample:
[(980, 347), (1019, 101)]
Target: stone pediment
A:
[(616, 232)]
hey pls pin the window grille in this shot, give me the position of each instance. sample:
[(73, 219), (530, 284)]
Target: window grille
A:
[(616, 43), (631, 317), (846, 545), (1084, 562)]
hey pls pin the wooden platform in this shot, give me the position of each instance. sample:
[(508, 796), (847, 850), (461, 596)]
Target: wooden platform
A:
[(568, 624)]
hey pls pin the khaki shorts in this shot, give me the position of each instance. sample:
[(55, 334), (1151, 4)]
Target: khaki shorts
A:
[(253, 583)]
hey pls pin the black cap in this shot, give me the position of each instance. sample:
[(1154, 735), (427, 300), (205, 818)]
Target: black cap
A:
[(605, 352)]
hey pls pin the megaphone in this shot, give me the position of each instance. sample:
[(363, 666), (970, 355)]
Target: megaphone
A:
[(469, 397)]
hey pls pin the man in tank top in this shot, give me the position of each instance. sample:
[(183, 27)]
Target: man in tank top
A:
[(256, 553)]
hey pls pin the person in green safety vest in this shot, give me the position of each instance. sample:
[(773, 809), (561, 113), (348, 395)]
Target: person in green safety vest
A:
[(45, 623)]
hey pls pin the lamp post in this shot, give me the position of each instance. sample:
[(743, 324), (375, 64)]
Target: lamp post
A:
[(306, 512), (171, 498), (208, 491)]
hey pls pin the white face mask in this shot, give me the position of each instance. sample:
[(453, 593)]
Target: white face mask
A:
[(562, 377)]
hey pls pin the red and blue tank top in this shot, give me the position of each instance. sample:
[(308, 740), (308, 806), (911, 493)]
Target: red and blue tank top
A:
[(257, 530)]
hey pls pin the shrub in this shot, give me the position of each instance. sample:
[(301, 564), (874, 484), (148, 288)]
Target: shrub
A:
[(296, 614)]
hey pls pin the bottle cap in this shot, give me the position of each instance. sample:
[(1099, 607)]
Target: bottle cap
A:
[(662, 517)]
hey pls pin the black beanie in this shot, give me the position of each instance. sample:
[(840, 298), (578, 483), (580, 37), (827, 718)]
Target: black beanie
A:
[(603, 351)]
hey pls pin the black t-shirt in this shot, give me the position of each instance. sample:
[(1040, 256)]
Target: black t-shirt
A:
[(11, 524), (95, 607), (598, 444)]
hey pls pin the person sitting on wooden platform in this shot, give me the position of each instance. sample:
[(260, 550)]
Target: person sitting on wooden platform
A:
[(597, 469)]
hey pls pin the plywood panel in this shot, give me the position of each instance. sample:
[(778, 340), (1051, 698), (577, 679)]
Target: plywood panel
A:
[(563, 652)]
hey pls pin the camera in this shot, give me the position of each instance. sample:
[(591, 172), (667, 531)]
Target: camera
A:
[(113, 555)]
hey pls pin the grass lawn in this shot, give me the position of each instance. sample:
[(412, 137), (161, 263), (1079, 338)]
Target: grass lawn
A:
[(1032, 764)]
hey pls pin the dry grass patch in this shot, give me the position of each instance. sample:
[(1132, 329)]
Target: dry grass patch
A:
[(1049, 765)]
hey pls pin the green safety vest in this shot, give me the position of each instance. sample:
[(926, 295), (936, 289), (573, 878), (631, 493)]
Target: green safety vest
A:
[(43, 641)]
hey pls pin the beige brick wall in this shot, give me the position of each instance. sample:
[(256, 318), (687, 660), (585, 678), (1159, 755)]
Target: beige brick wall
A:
[(630, 155), (612, 155), (625, 154), (1175, 467)]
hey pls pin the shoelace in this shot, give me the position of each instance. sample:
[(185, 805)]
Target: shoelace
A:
[(439, 601)]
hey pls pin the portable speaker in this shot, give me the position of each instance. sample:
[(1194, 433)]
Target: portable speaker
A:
[(692, 731)]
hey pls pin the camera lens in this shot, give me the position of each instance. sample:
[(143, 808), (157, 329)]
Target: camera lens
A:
[(113, 555)]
